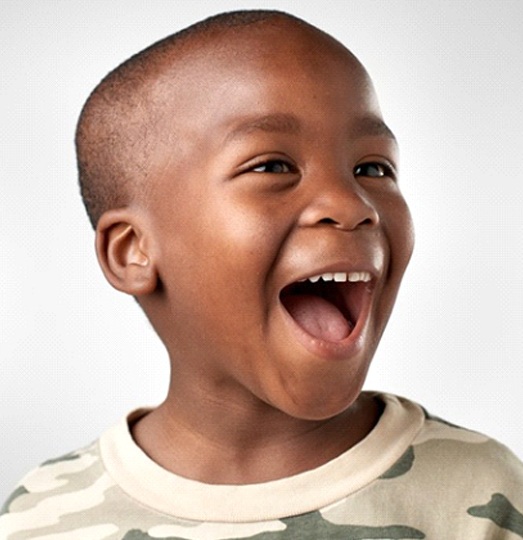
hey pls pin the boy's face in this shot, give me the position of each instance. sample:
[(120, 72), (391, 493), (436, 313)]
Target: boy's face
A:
[(274, 166)]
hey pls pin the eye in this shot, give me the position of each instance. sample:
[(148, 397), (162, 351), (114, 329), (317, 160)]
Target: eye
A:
[(273, 166), (374, 170)]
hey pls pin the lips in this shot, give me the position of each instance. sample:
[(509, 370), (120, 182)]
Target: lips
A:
[(327, 306)]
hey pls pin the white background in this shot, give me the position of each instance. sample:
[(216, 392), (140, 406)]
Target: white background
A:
[(75, 355)]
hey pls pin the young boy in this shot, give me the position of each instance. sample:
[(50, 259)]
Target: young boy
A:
[(243, 187)]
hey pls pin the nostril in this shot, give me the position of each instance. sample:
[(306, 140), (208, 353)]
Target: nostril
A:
[(368, 221), (328, 220)]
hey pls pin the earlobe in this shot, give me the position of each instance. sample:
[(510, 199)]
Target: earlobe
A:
[(121, 248)]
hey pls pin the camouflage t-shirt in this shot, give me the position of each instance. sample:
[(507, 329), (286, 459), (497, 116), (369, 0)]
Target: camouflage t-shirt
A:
[(413, 476)]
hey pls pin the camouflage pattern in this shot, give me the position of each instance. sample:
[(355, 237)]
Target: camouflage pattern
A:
[(450, 483)]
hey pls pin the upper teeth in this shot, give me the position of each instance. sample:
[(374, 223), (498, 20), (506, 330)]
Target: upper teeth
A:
[(340, 276)]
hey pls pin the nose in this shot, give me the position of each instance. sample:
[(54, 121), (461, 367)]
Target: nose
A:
[(341, 203)]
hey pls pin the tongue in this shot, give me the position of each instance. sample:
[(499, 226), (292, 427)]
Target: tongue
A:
[(318, 317)]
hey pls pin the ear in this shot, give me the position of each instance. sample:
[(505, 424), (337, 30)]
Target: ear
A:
[(121, 247)]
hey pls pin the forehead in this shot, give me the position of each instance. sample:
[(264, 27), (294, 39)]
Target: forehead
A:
[(272, 69)]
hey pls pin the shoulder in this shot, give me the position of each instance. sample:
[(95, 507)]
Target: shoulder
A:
[(471, 471), (449, 482), (54, 489), (439, 451), (454, 448)]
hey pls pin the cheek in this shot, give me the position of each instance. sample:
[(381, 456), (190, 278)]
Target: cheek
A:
[(399, 228), (247, 230), (407, 233), (222, 255)]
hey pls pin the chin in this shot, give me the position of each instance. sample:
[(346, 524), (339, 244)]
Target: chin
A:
[(314, 406)]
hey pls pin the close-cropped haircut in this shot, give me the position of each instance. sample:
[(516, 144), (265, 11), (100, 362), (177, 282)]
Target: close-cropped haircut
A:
[(115, 132)]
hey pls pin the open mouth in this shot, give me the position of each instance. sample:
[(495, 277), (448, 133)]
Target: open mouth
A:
[(327, 306)]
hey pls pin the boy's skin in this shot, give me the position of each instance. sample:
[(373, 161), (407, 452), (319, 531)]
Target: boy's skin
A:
[(259, 177)]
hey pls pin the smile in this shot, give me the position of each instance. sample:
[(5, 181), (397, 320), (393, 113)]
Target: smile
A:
[(340, 277), (328, 306)]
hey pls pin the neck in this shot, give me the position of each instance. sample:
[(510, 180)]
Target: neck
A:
[(219, 443)]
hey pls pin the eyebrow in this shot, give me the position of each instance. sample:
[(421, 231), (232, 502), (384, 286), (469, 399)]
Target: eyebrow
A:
[(373, 126), (271, 123), (368, 126)]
